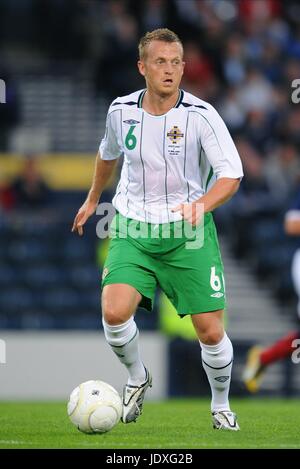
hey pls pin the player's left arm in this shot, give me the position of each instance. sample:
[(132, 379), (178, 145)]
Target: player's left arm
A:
[(225, 162), (220, 192)]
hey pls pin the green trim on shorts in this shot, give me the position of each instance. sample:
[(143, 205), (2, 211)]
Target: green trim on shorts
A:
[(187, 266)]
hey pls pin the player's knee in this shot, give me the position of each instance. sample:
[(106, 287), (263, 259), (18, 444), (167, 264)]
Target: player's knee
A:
[(212, 336), (113, 317), (115, 314)]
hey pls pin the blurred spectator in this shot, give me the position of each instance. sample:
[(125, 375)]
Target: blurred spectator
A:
[(252, 202), (278, 32), (211, 39), (231, 112), (261, 10), (290, 128), (234, 60), (282, 172), (119, 55), (294, 45), (154, 14), (271, 62), (254, 197), (291, 71), (255, 92), (198, 73), (6, 196), (280, 111), (189, 14), (258, 129), (291, 10), (29, 190), (59, 28)]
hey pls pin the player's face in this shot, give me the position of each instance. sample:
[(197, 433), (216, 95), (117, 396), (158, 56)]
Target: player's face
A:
[(162, 67)]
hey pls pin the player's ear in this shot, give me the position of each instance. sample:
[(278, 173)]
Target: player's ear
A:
[(141, 67)]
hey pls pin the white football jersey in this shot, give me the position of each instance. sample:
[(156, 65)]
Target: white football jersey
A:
[(168, 159)]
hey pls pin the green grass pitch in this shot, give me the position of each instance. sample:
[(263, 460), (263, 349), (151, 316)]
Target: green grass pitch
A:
[(180, 423)]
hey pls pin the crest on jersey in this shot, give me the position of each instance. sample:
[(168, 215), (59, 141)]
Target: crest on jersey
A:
[(131, 122), (175, 134)]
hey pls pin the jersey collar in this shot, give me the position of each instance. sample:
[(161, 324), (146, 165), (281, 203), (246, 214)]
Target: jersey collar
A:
[(142, 94)]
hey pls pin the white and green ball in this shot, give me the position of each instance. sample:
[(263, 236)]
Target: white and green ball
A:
[(94, 407)]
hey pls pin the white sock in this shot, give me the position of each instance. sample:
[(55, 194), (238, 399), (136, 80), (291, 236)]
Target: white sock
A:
[(124, 341), (217, 363)]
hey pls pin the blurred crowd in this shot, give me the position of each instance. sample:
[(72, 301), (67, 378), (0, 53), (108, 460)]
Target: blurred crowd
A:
[(241, 55)]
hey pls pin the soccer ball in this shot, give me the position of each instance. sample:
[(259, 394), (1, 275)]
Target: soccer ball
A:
[(94, 407)]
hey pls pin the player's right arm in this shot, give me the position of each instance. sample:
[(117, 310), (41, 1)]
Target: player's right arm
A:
[(102, 174), (110, 150)]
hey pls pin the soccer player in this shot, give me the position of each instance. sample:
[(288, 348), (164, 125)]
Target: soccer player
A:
[(178, 159), (260, 358)]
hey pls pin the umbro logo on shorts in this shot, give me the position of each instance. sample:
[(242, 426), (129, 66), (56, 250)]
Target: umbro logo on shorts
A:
[(104, 273), (217, 295)]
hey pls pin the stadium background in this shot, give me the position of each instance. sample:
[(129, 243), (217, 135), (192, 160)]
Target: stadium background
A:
[(63, 61)]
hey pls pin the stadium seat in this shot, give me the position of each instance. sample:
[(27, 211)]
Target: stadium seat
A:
[(85, 276), (8, 276), (61, 300), (77, 250), (267, 231), (44, 276), (16, 300), (27, 251)]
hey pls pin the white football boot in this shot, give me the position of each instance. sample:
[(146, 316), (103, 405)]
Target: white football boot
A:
[(133, 398), (225, 420)]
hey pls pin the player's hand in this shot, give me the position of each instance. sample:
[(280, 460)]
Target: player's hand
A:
[(192, 213), (83, 214)]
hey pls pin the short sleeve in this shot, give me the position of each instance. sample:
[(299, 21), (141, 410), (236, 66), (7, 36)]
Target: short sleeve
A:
[(219, 147), (110, 147)]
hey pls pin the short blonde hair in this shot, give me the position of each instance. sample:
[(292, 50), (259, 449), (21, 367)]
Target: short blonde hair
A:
[(161, 34)]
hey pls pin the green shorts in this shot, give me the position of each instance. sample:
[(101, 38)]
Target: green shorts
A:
[(185, 262)]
